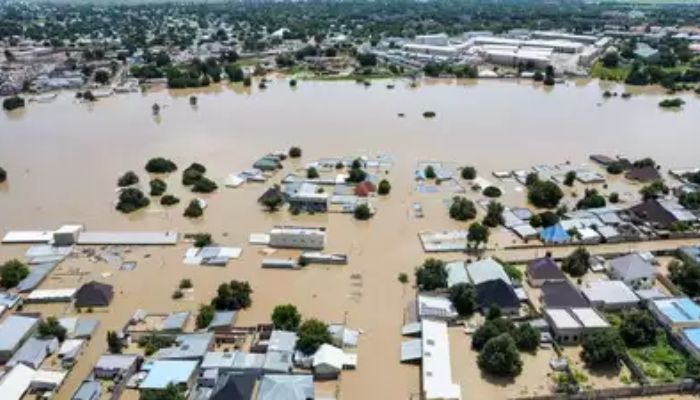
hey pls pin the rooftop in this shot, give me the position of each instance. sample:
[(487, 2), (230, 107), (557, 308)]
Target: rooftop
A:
[(679, 309), (609, 292), (15, 328), (437, 369), (161, 373)]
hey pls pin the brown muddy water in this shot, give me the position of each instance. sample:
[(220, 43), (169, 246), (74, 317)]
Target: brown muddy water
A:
[(63, 160)]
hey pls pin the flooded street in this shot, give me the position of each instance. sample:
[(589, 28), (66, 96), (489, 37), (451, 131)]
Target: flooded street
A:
[(63, 160)]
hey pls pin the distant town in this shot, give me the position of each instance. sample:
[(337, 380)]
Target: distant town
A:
[(205, 228)]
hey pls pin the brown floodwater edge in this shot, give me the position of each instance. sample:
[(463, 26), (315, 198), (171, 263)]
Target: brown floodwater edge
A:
[(63, 159)]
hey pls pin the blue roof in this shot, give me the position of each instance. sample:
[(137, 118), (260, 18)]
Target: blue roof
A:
[(554, 234), (14, 329), (164, 372), (693, 335), (223, 319), (88, 390), (679, 310), (176, 321), (37, 274)]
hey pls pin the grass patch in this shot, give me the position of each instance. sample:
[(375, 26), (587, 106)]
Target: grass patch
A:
[(660, 362), (617, 74)]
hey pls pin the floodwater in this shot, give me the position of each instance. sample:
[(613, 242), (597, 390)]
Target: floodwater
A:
[(63, 160)]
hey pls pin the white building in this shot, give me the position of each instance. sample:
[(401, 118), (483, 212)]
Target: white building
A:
[(436, 370), (570, 325), (610, 295), (67, 235), (298, 237), (439, 39), (329, 360)]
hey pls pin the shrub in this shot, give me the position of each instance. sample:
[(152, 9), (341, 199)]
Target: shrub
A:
[(686, 277), (489, 330), (202, 239), (570, 178), (526, 337), (294, 152), (500, 357), (429, 114), (591, 199), (177, 294), (234, 295), (311, 335), (384, 187), (614, 198), (672, 103), (477, 234), (194, 209), (468, 173), (403, 277), (492, 191), (129, 178), (131, 199), (158, 187), (548, 218), (12, 103), (286, 317), (431, 275), (204, 185), (160, 165), (462, 209), (293, 83), (114, 344), (362, 212), (356, 175), (169, 200), (689, 200), (3, 175)]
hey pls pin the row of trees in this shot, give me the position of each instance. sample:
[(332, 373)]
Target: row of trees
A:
[(311, 333)]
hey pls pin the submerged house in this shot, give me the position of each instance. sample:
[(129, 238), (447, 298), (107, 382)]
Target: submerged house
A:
[(543, 270), (94, 294), (14, 330), (554, 234), (634, 270)]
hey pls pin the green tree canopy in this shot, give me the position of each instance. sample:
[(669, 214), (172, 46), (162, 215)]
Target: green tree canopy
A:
[(638, 328), (462, 209), (312, 333), (50, 327), (477, 234), (233, 296), (286, 317), (602, 348), (468, 173), (577, 263), (431, 275), (500, 357), (160, 165), (463, 297), (12, 272)]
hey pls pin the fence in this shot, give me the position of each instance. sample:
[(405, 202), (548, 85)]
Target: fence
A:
[(622, 392)]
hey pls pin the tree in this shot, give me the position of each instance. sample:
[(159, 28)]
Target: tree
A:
[(3, 175), (131, 199), (500, 357), (526, 337), (12, 272), (234, 73), (12, 103), (50, 327), (129, 178), (356, 175), (193, 173), (194, 209), (614, 198), (171, 392), (272, 201), (114, 344), (205, 316), (463, 297), (429, 172), (638, 328), (494, 214), (204, 185), (286, 317), (431, 275), (158, 187), (477, 234), (490, 329), (544, 194), (102, 76), (311, 335), (692, 368), (689, 200), (367, 59), (570, 178), (294, 152), (185, 284), (492, 191), (202, 239), (384, 187), (577, 263), (686, 277), (591, 199), (468, 173), (654, 190), (615, 168), (233, 296), (160, 165), (312, 173), (602, 348), (610, 59), (169, 200), (462, 209), (513, 272), (362, 212)]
